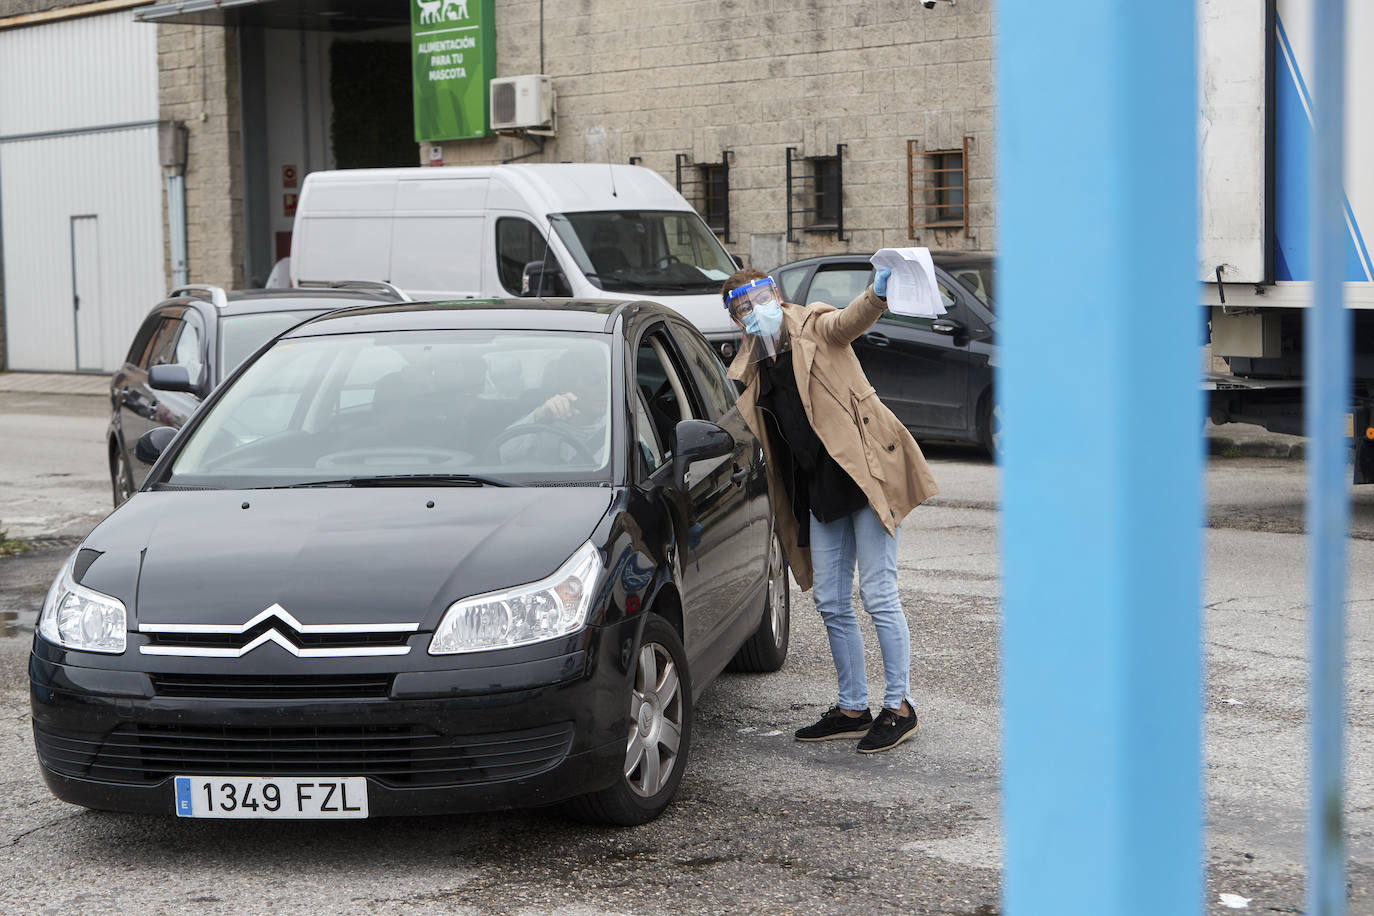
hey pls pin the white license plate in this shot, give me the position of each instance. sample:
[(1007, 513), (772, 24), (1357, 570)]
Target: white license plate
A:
[(257, 797)]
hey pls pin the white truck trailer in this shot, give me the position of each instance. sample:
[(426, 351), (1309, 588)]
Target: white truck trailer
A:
[(1255, 61)]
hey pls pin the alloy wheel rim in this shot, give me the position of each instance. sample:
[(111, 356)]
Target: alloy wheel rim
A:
[(655, 732), (777, 591)]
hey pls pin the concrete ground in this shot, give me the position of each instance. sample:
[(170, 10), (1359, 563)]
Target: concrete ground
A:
[(762, 825)]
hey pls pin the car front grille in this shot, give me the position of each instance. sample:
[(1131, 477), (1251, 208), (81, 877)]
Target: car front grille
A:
[(400, 756), (304, 640), (272, 687)]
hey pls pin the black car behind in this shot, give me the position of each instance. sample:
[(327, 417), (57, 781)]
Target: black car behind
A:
[(935, 374), (191, 341)]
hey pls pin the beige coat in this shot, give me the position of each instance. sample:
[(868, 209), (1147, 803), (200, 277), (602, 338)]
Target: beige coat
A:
[(856, 428)]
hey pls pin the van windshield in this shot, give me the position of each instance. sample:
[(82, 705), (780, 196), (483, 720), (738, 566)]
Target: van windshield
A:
[(658, 252)]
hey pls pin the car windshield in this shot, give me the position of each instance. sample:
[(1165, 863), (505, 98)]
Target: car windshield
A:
[(464, 407), (240, 335), (975, 275), (660, 252)]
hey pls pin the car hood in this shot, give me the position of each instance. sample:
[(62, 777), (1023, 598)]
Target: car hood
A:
[(336, 555)]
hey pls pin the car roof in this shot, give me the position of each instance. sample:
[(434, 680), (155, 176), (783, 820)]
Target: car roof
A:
[(585, 315), (242, 302), (257, 301), (941, 258)]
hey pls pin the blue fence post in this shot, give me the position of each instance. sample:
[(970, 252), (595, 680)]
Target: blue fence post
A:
[(1099, 312), (1326, 358)]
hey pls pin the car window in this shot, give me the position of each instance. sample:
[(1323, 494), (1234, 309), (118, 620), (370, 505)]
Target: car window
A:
[(139, 350), (240, 335), (646, 438), (659, 379), (839, 286), (790, 281), (715, 387), (524, 406), (947, 298), (518, 241), (164, 347), (188, 351)]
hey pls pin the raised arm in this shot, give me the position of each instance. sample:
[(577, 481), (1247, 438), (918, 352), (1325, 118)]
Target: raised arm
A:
[(843, 326)]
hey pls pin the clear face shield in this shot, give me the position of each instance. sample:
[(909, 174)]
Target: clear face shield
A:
[(758, 306)]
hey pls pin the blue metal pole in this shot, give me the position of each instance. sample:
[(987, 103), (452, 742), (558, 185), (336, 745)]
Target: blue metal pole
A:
[(1101, 527), (1326, 357)]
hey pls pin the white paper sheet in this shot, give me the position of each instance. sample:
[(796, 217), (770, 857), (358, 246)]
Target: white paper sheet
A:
[(911, 290)]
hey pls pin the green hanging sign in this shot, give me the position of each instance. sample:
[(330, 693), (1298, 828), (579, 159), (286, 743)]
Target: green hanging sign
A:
[(453, 55)]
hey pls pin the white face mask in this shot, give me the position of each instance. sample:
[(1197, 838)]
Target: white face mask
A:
[(758, 306)]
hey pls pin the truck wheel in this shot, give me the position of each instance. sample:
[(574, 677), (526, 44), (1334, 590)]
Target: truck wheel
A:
[(766, 650), (659, 735)]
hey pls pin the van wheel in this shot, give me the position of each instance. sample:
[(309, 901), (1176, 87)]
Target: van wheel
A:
[(659, 735), (766, 650)]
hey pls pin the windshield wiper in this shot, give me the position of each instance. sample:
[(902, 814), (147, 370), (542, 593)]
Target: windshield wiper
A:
[(404, 480)]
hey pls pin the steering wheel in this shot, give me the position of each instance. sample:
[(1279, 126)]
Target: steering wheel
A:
[(348, 458), (493, 449), (663, 262)]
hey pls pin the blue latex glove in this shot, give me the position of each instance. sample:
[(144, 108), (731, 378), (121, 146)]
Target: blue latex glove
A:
[(880, 281)]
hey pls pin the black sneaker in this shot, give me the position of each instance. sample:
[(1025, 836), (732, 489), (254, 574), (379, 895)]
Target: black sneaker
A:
[(835, 724), (888, 731)]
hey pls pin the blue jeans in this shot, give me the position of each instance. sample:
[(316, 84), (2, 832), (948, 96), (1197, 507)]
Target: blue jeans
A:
[(835, 546)]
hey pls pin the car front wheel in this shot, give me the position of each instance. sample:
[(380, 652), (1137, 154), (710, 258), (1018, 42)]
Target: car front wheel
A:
[(659, 731), (990, 426)]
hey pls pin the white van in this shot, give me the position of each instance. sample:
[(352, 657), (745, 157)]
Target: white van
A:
[(586, 231)]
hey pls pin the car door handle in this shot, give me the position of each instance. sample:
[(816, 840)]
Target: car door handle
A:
[(737, 478), (875, 339)]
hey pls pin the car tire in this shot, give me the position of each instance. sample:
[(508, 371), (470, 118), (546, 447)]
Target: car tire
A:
[(660, 726), (990, 426), (766, 650), (121, 480)]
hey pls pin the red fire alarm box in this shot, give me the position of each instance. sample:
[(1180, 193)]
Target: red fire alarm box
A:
[(288, 204)]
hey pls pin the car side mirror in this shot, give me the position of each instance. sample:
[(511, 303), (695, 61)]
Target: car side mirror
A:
[(696, 440), (153, 443), (170, 378), (540, 278)]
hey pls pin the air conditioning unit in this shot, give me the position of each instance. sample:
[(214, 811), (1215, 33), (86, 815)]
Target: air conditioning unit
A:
[(522, 102)]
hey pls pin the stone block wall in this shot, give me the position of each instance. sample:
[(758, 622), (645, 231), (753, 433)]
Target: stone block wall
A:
[(198, 84), (649, 79)]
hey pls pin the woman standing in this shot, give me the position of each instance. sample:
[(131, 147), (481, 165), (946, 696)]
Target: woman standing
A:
[(842, 474)]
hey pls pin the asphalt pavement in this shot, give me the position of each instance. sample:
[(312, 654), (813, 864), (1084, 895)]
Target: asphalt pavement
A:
[(762, 825)]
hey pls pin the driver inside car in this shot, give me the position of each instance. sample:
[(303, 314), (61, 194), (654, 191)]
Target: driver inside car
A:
[(572, 425)]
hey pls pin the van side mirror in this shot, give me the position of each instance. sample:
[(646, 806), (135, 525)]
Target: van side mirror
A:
[(170, 378), (153, 443), (540, 278), (739, 261), (696, 440)]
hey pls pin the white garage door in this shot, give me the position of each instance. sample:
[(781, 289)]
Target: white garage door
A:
[(80, 190)]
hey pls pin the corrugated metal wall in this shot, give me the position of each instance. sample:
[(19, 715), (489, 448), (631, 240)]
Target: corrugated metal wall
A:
[(96, 72)]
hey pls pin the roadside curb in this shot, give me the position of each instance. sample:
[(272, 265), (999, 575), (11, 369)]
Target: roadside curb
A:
[(1225, 447), (87, 384)]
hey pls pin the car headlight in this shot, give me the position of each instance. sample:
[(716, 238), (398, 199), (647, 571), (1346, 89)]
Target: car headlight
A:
[(76, 617), (525, 614)]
